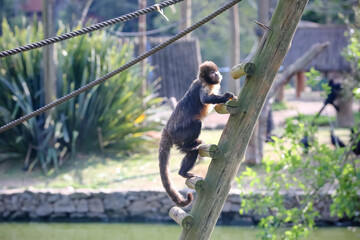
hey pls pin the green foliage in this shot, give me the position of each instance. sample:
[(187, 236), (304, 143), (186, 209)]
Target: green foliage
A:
[(110, 117), (279, 106), (309, 119), (215, 35), (352, 53), (328, 11), (113, 110), (21, 87), (314, 172), (317, 82)]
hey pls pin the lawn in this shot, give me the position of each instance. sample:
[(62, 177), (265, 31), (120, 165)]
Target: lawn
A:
[(136, 172)]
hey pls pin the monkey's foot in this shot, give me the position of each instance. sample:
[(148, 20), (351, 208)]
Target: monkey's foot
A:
[(190, 175)]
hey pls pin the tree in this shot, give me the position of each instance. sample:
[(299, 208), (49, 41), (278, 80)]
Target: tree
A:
[(327, 11), (235, 45), (238, 130), (253, 155), (185, 16), (49, 62)]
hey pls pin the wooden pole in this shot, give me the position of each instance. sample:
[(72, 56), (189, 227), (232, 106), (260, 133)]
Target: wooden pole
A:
[(49, 62), (230, 106), (181, 217), (235, 137), (196, 183), (185, 16), (242, 69), (234, 86), (263, 15), (252, 155), (300, 83), (142, 44)]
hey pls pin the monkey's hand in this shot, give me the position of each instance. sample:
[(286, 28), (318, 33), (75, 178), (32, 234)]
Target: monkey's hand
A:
[(229, 96)]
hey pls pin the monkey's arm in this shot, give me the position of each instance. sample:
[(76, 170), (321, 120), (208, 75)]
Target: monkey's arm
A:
[(206, 98)]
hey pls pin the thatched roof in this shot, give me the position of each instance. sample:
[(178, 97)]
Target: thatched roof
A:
[(329, 60)]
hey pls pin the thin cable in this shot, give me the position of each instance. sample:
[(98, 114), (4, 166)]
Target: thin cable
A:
[(117, 71), (89, 29)]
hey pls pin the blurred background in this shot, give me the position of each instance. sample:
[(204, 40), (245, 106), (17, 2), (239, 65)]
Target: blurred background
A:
[(307, 137)]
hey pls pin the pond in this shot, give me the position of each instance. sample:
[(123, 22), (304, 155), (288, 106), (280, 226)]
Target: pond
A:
[(97, 231)]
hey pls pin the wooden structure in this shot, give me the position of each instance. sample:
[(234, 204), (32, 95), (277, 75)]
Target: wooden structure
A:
[(238, 130), (309, 34), (32, 6), (176, 66), (329, 61)]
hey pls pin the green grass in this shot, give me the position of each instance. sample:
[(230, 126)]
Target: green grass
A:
[(136, 172), (322, 120), (279, 106)]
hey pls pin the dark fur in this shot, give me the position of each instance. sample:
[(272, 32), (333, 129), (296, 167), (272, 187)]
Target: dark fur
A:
[(184, 126)]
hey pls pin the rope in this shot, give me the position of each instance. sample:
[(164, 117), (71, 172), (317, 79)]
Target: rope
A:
[(89, 29), (117, 71), (147, 33)]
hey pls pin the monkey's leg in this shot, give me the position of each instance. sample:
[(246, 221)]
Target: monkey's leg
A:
[(186, 139), (188, 163), (189, 145)]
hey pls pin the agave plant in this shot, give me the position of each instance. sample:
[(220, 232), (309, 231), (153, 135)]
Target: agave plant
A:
[(110, 117), (21, 87)]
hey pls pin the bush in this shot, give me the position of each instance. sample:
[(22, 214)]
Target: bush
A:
[(314, 171), (111, 117)]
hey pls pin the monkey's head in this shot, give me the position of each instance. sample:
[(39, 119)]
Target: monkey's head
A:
[(209, 73)]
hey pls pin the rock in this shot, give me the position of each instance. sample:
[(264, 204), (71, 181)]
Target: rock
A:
[(53, 198), (44, 209), (227, 207), (155, 197), (96, 205), (118, 215), (12, 203), (100, 194), (77, 215), (97, 216), (241, 220), (29, 203), (64, 205), (2, 207), (6, 214), (79, 195), (18, 215), (81, 206), (234, 198), (132, 197), (114, 202), (58, 216), (140, 208)]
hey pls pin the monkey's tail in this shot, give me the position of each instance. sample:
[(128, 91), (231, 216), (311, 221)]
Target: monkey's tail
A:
[(164, 155)]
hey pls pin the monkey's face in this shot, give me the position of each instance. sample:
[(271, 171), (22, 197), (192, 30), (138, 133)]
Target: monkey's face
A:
[(215, 77), (209, 73)]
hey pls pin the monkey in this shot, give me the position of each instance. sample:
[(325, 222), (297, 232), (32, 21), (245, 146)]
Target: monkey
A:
[(184, 126)]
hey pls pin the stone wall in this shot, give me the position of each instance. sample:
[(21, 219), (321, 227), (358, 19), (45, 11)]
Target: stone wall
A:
[(116, 206)]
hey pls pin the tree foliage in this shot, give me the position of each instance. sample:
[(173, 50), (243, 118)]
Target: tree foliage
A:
[(318, 171), (352, 52), (329, 11)]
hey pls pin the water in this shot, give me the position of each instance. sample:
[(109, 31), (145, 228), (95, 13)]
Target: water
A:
[(67, 231)]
